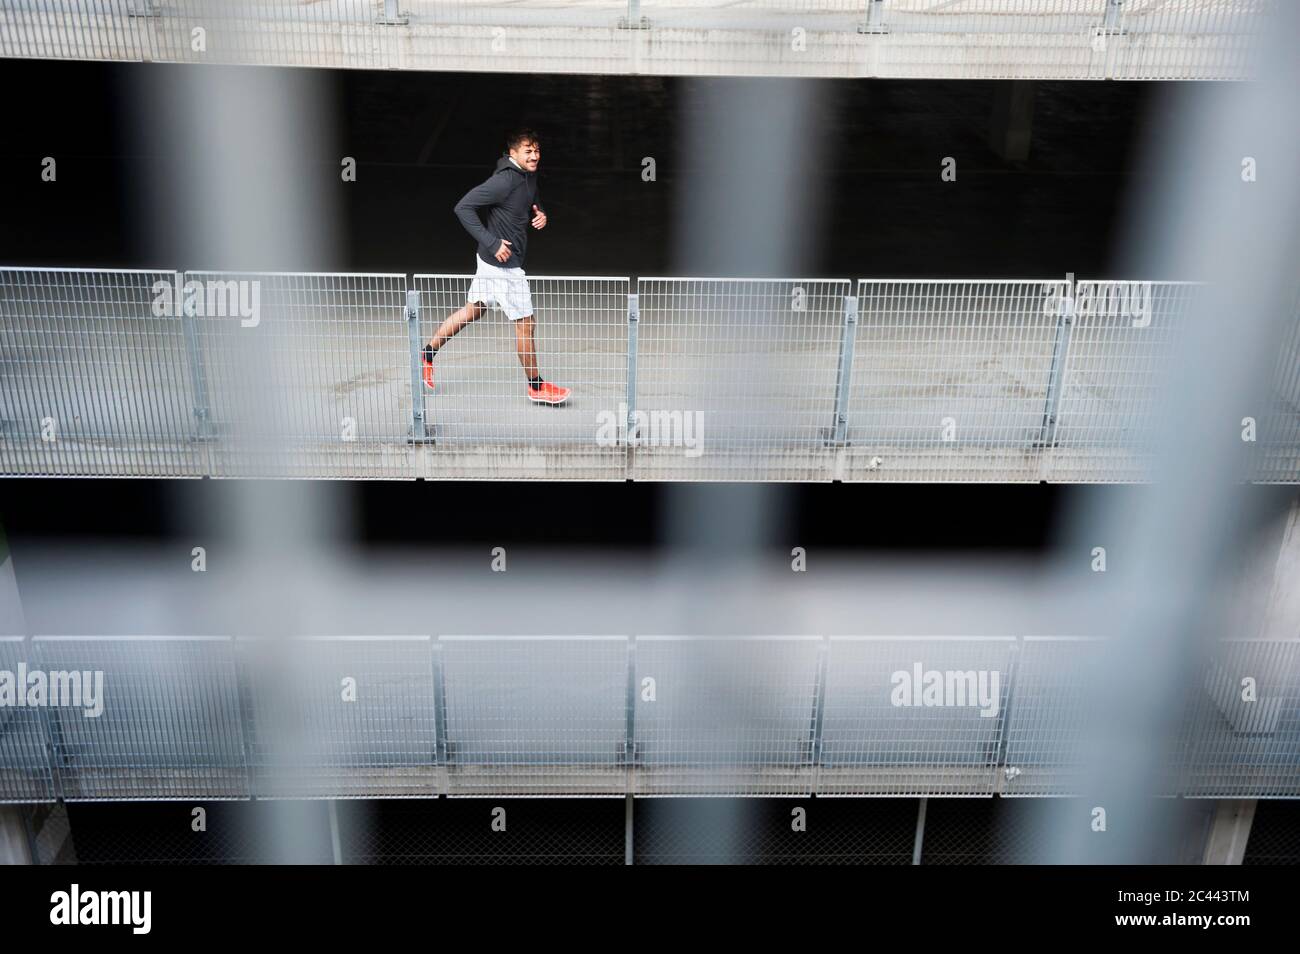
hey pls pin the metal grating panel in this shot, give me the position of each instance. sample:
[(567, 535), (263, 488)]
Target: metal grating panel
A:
[(482, 421), (729, 716), (308, 737), (940, 39), (1117, 370), (25, 774), (950, 380), (1245, 749), (1049, 712), (304, 374), (170, 721), (877, 741), (536, 715), (93, 375), (751, 363)]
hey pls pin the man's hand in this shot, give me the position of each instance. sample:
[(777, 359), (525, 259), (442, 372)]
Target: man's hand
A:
[(539, 218), (503, 253)]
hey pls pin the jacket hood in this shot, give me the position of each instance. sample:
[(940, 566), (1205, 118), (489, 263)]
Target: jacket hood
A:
[(505, 163)]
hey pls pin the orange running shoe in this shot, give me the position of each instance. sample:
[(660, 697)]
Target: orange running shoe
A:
[(428, 371), (548, 393)]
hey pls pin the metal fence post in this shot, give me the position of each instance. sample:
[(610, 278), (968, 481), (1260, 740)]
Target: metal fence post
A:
[(419, 431), (819, 711), (53, 731), (633, 320), (439, 707), (629, 754), (1056, 375), (629, 743), (633, 20), (849, 334), (392, 16), (199, 406), (875, 22)]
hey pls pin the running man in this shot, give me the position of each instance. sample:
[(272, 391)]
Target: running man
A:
[(510, 202)]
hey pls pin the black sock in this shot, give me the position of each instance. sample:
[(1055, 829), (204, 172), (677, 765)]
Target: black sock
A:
[(429, 352), (535, 382)]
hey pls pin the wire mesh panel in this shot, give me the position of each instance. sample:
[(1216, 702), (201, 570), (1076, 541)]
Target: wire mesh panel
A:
[(484, 422), (168, 721), (736, 378), (908, 716), (340, 717), (1049, 716), (716, 716), (1242, 739), (304, 374), (1117, 376), (990, 39), (948, 39), (1277, 457), (72, 29), (25, 774), (93, 375), (951, 380), (536, 715), (1189, 39)]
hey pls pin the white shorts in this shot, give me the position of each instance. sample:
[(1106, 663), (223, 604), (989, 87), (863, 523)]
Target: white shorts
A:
[(505, 287)]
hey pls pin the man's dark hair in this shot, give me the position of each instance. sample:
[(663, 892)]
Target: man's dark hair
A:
[(521, 136)]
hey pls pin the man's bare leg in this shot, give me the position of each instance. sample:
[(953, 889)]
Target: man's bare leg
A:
[(457, 320), (526, 347)]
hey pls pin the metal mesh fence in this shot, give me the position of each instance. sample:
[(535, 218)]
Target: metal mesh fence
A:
[(1031, 831), (773, 831), (480, 415), (93, 374), (535, 716), (750, 365), (726, 716), (955, 39), (340, 717), (1049, 716), (381, 717), (1117, 368), (1243, 732), (198, 833), (167, 727), (951, 380), (303, 375), (485, 831), (914, 716), (320, 375), (1274, 834), (25, 774)]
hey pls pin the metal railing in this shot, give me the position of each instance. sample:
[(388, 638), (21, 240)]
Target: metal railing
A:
[(409, 717), (223, 374), (960, 39)]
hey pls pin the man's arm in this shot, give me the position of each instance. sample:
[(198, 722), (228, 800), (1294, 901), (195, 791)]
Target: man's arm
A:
[(482, 196)]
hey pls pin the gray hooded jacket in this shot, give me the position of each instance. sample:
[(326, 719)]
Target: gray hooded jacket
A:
[(501, 208)]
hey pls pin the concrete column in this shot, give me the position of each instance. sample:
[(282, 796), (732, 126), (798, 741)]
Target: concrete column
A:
[(1012, 119), (15, 849), (1230, 832)]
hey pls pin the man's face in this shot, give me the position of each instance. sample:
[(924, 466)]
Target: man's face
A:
[(527, 154)]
